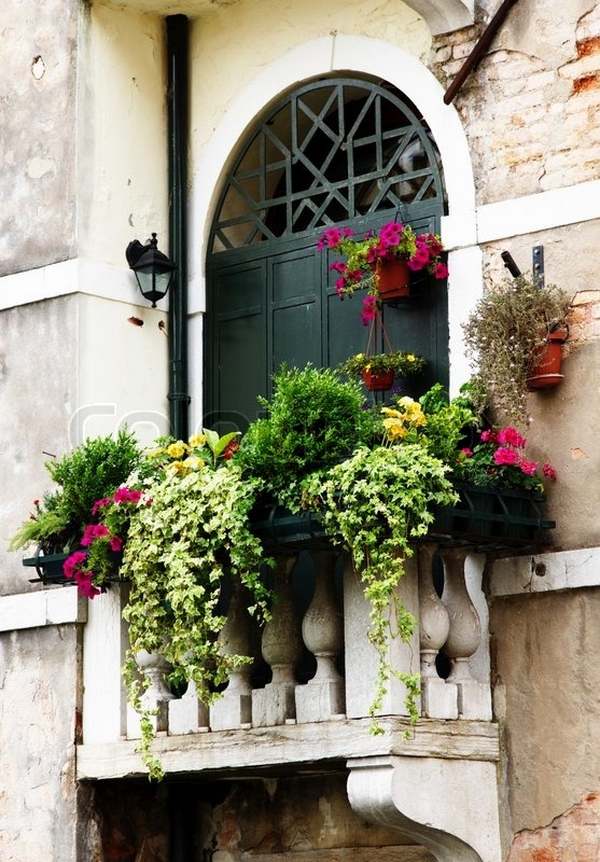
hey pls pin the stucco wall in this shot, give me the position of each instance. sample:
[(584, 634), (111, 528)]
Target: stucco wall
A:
[(38, 716), (547, 698), (557, 430), (37, 132), (122, 128), (38, 395), (70, 368)]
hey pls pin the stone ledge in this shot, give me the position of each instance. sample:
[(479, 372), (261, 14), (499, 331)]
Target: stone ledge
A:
[(232, 753), (44, 608), (544, 573)]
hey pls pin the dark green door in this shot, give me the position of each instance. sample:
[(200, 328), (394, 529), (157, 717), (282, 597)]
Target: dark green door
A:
[(337, 151)]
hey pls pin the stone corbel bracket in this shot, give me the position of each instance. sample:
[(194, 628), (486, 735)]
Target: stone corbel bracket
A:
[(443, 16), (450, 807)]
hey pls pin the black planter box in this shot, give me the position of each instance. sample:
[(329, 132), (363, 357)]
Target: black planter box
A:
[(49, 568), (484, 519)]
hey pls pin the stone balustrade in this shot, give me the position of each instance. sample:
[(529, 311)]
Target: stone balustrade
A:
[(329, 622)]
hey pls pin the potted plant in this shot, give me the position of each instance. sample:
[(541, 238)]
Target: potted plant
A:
[(382, 262), (90, 472), (378, 372), (508, 336)]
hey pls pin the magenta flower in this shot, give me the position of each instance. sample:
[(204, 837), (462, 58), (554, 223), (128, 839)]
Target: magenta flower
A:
[(505, 457), (339, 266), (369, 309), (116, 543), (100, 504), (509, 436), (333, 236), (126, 495), (529, 468), (488, 436), (468, 453), (549, 472), (91, 532), (72, 563), (85, 586), (440, 271)]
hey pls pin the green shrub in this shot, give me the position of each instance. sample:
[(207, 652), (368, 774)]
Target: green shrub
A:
[(313, 421), (88, 473)]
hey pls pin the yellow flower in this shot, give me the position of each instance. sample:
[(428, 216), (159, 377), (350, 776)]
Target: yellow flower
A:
[(197, 440), (156, 453), (394, 429), (410, 357), (194, 463), (389, 411), (178, 468), (406, 402), (177, 450)]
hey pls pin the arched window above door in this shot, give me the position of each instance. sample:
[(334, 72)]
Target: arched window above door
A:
[(334, 151), (331, 151)]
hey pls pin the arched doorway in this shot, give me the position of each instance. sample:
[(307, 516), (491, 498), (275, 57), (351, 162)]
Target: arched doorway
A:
[(338, 150)]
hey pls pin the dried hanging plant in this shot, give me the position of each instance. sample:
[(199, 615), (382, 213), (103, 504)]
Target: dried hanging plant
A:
[(505, 334)]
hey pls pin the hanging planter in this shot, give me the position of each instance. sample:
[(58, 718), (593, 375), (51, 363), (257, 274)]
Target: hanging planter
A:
[(392, 278), (378, 381), (382, 262), (546, 371)]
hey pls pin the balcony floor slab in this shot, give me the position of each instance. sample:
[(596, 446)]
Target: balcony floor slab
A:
[(292, 748)]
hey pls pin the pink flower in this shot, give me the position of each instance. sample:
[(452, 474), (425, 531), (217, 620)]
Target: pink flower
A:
[(92, 532), (100, 504), (339, 266), (440, 271), (468, 453), (549, 472), (126, 495), (420, 259), (71, 564), (509, 436), (116, 544), (435, 246), (340, 286), (369, 309), (333, 236), (529, 468), (488, 436), (504, 457), (85, 586)]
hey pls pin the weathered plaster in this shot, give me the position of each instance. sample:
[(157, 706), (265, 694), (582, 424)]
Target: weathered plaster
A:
[(69, 368), (570, 262), (547, 699), (123, 137), (38, 394), (37, 132), (38, 716)]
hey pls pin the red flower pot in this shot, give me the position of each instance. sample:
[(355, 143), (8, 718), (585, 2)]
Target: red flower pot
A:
[(378, 381), (393, 278), (546, 371)]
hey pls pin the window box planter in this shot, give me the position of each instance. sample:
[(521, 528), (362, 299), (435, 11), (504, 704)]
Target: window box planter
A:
[(483, 518), (49, 569)]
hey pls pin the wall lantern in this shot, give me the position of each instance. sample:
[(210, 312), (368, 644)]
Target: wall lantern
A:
[(153, 269)]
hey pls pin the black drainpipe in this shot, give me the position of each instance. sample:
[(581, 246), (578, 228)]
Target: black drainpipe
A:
[(177, 108)]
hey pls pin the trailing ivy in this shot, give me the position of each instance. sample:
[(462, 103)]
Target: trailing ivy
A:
[(376, 504), (179, 548)]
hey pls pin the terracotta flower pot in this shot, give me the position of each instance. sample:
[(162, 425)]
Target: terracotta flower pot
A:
[(546, 372), (393, 278), (378, 381)]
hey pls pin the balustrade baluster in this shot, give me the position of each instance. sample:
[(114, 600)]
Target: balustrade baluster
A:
[(156, 697), (281, 648), (474, 699), (439, 698), (234, 708), (322, 631)]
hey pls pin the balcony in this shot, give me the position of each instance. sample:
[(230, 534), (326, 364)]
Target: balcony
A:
[(287, 724)]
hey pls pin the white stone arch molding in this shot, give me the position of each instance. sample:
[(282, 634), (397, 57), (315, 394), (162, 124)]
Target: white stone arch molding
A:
[(352, 55)]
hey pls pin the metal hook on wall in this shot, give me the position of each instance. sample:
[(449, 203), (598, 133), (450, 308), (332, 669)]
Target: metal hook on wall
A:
[(539, 276)]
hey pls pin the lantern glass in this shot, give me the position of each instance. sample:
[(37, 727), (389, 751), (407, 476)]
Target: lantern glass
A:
[(153, 269)]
